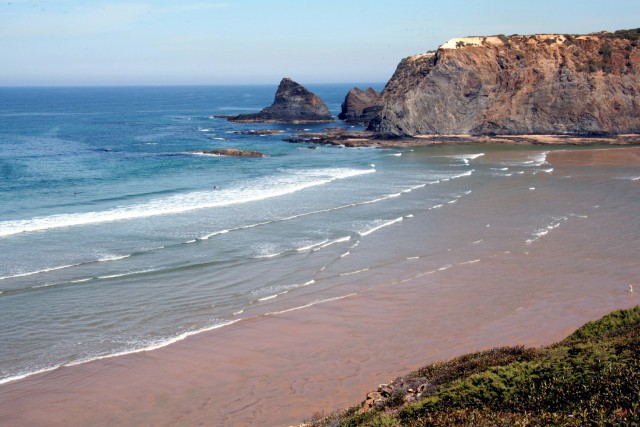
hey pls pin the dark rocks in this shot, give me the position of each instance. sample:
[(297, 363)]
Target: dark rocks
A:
[(360, 106), (293, 104), (335, 136), (517, 85), (232, 152), (258, 132)]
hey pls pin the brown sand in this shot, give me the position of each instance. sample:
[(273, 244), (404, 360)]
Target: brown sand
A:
[(604, 156), (280, 369)]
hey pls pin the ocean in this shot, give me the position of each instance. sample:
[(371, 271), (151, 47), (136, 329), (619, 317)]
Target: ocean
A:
[(115, 237)]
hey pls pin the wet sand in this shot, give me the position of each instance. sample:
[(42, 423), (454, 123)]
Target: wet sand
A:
[(279, 369)]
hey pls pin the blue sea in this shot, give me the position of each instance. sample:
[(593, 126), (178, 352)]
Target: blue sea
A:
[(116, 237)]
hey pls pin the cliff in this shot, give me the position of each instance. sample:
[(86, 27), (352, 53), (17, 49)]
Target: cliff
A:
[(293, 103), (540, 84)]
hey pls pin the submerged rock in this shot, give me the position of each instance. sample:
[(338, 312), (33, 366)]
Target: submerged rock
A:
[(233, 152), (360, 106), (293, 104), (539, 84)]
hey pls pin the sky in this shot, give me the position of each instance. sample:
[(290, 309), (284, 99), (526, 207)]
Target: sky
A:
[(199, 42)]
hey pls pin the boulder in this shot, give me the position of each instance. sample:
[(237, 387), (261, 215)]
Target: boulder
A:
[(293, 104), (360, 106)]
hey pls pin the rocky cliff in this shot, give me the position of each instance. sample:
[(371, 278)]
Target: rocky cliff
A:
[(293, 103), (540, 84), (360, 106)]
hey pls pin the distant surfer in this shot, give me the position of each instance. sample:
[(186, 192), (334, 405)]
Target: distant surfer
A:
[(630, 289)]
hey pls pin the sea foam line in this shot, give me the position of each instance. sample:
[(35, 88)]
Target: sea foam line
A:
[(289, 218), (44, 270), (311, 304), (466, 157), (151, 347), (261, 189), (378, 227)]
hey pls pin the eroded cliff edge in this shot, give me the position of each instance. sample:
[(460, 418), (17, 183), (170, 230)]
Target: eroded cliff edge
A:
[(539, 84)]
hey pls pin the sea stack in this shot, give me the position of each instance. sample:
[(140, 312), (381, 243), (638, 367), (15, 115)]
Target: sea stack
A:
[(538, 84), (293, 104), (360, 106)]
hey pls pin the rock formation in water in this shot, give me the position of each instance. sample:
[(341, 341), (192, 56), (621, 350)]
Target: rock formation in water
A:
[(231, 152), (293, 104), (539, 84), (360, 106)]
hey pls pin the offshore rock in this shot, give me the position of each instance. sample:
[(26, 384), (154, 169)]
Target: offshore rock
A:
[(360, 106), (517, 85), (232, 152), (293, 104)]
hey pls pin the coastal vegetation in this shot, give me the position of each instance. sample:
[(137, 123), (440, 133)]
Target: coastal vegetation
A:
[(590, 378)]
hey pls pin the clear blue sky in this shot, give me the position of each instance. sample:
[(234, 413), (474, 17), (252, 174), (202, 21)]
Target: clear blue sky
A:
[(113, 42)]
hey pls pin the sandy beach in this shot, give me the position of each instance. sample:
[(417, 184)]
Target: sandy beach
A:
[(281, 368)]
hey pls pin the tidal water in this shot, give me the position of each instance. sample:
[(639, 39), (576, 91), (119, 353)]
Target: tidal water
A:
[(115, 237)]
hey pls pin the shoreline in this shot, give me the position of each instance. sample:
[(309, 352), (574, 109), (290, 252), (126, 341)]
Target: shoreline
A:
[(347, 138), (184, 383), (280, 368)]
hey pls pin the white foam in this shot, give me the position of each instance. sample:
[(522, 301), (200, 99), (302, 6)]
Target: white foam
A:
[(151, 347), (541, 232), (260, 189), (378, 225), (312, 246), (277, 290), (112, 257), (129, 273), (354, 272), (311, 304), (470, 262), (466, 157), (44, 270), (333, 242)]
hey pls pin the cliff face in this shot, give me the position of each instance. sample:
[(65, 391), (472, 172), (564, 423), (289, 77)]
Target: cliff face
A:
[(293, 103), (542, 84)]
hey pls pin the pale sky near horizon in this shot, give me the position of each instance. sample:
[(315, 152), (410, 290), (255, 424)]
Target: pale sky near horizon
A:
[(162, 42)]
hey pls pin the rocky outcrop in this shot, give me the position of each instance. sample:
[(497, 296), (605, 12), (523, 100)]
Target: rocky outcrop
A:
[(293, 104), (360, 106), (232, 152), (540, 84)]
